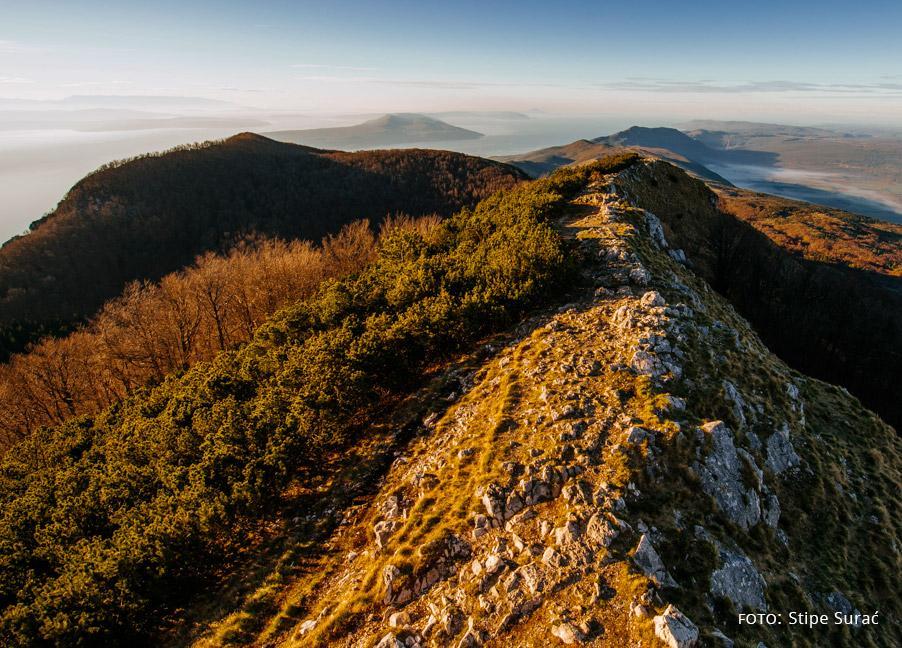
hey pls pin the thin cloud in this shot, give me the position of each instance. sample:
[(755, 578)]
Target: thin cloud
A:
[(319, 66), (461, 85), (16, 47), (427, 83), (9, 79), (91, 84), (640, 84), (331, 78), (234, 89)]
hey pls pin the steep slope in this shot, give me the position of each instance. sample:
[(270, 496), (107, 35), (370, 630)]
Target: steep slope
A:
[(149, 216), (819, 233), (632, 468), (388, 130), (820, 286)]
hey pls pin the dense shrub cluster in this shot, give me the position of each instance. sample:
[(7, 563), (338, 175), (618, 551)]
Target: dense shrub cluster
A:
[(104, 518)]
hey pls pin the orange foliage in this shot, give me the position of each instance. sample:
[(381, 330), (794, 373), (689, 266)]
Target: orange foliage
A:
[(820, 233), (154, 329)]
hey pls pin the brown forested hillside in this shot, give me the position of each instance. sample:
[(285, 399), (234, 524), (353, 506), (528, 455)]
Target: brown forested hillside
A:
[(148, 216), (819, 233), (157, 328)]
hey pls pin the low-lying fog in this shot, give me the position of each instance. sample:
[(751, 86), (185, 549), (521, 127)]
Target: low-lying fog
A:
[(821, 187)]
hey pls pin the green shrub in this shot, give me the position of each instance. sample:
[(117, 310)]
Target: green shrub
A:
[(106, 519)]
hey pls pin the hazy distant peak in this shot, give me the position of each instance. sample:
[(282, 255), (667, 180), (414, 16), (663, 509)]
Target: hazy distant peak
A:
[(389, 130), (394, 120), (646, 136), (247, 136), (667, 139)]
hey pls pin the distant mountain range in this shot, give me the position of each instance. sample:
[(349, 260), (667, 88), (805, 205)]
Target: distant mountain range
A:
[(727, 134), (667, 143), (385, 131), (857, 173)]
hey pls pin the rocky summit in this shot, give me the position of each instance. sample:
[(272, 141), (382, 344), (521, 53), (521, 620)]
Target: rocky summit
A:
[(632, 468)]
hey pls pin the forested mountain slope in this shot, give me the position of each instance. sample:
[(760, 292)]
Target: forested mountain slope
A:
[(154, 329), (145, 217), (111, 522)]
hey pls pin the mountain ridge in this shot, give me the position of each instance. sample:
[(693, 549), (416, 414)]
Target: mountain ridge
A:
[(647, 140), (572, 477)]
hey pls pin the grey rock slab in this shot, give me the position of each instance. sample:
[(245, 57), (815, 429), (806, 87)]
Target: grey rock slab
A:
[(649, 562), (675, 629), (738, 581), (721, 475), (781, 455)]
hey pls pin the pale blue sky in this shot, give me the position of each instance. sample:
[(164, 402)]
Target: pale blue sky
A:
[(823, 59)]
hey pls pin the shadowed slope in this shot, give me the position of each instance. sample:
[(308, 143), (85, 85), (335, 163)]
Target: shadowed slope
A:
[(821, 287)]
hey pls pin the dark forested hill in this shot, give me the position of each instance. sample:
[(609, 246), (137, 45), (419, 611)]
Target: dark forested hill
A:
[(148, 216)]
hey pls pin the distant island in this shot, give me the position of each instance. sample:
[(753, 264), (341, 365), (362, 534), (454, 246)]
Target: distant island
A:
[(388, 130)]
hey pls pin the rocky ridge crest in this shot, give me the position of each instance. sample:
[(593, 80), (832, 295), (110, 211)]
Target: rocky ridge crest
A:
[(619, 473)]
